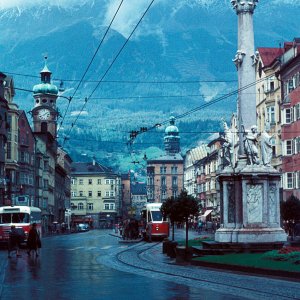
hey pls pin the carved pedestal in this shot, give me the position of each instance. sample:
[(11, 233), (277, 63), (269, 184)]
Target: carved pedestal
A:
[(250, 206)]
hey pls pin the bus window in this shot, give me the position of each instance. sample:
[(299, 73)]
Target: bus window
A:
[(5, 218), (20, 218), (35, 217), (157, 216)]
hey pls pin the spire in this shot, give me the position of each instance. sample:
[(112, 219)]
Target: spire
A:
[(45, 73), (45, 87)]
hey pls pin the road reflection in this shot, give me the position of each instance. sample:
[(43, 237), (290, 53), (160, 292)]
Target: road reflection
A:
[(67, 268)]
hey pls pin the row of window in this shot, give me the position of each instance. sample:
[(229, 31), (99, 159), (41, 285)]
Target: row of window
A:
[(269, 85), (26, 178), (163, 195), (290, 147), (163, 170), (211, 167), (291, 180), (291, 84), (90, 181), (90, 194), (291, 114), (163, 181), (90, 206)]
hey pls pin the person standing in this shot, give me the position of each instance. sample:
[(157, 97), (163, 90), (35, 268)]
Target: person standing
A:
[(33, 241), (13, 241)]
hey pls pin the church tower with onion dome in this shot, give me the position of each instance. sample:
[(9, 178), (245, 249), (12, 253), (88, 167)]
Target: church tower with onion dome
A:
[(172, 138), (44, 112), (165, 173)]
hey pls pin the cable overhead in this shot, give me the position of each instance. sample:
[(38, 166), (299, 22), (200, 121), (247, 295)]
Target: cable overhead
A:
[(136, 97), (109, 67), (127, 81), (90, 63), (135, 133)]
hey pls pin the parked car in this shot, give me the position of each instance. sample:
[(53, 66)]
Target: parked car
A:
[(83, 227)]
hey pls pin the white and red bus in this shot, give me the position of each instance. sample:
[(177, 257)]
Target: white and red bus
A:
[(156, 225), (21, 217)]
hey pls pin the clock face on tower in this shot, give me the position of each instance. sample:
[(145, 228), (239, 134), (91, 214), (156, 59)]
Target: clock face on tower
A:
[(44, 114)]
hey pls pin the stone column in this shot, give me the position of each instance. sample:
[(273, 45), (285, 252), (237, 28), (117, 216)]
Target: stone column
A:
[(245, 61)]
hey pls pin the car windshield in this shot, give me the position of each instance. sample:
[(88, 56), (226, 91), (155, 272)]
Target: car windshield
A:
[(14, 218)]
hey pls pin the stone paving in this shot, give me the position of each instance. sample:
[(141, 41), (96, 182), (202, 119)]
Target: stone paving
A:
[(147, 259)]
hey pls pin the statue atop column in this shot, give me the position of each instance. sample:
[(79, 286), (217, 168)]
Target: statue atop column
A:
[(227, 147), (250, 145), (266, 146), (244, 5)]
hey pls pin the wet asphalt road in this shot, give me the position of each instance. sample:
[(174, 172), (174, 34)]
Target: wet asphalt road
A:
[(69, 267)]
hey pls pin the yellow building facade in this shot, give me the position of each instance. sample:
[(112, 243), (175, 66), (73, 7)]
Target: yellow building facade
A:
[(95, 194)]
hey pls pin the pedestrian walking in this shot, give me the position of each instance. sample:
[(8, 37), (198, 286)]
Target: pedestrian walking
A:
[(33, 241), (14, 241), (200, 225)]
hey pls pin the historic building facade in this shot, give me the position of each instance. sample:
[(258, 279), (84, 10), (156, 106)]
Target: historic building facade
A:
[(95, 194), (138, 197), (44, 116), (290, 119), (192, 169), (268, 98), (62, 185), (3, 137), (165, 173), (12, 151), (26, 162)]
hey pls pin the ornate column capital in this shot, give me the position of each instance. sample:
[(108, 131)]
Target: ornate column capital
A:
[(243, 6)]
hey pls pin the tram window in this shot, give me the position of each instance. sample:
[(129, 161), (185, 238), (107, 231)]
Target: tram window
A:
[(157, 216), (149, 216)]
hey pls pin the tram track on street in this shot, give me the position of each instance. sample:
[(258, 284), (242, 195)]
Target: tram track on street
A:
[(139, 258)]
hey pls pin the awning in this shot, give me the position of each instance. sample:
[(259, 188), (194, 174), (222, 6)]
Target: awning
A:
[(207, 212)]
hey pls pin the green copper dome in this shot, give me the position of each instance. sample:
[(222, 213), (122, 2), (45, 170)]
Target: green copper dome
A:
[(45, 88), (172, 129)]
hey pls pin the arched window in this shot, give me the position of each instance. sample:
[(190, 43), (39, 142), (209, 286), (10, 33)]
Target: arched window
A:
[(80, 206)]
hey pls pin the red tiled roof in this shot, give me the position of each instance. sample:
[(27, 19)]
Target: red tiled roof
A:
[(268, 55)]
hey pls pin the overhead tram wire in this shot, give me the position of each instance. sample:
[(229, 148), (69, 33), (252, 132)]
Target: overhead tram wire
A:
[(235, 92), (127, 81), (90, 63), (135, 97), (108, 69)]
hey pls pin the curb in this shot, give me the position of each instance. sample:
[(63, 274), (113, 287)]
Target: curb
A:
[(126, 241), (249, 270), (130, 241), (115, 235)]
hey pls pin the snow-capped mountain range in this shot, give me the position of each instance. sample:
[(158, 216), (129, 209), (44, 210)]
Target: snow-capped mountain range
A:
[(181, 49)]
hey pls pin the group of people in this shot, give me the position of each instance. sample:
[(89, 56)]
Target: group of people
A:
[(129, 229), (17, 236)]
